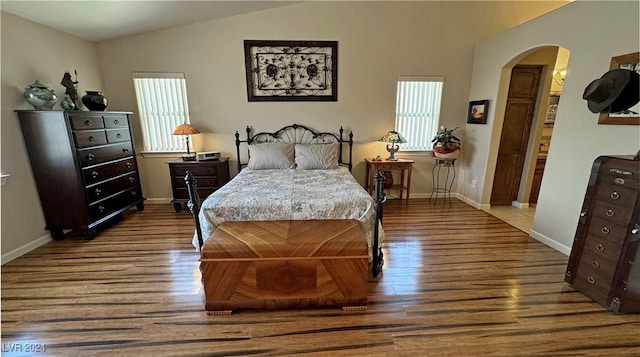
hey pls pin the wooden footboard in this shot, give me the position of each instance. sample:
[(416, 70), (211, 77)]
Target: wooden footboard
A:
[(283, 264)]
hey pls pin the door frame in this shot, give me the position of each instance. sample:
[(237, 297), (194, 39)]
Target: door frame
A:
[(531, 127), (536, 129)]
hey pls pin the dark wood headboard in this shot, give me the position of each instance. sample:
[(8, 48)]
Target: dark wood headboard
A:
[(298, 134)]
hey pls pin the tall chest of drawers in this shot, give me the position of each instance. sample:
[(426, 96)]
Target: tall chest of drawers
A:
[(604, 263), (84, 166)]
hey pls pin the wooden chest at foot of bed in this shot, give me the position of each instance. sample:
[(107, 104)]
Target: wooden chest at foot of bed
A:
[(283, 264)]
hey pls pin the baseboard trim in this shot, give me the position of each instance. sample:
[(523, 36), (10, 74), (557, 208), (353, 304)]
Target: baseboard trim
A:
[(25, 249), (550, 242), (520, 205), (20, 251), (154, 201), (472, 203)]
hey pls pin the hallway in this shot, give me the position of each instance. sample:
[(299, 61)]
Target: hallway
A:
[(521, 218)]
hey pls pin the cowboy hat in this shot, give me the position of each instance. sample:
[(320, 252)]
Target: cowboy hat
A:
[(617, 90)]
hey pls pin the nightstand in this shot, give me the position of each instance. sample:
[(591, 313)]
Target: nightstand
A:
[(210, 175), (402, 165)]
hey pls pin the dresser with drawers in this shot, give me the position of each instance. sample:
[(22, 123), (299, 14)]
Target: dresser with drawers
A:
[(84, 166), (210, 175), (604, 263)]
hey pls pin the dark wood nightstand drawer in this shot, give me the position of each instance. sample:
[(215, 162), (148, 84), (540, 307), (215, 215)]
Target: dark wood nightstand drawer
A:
[(203, 181), (210, 176), (203, 192), (196, 170)]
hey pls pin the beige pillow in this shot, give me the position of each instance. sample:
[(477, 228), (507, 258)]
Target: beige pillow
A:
[(316, 156), (271, 156)]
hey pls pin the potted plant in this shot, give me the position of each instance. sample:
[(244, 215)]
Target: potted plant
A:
[(445, 144)]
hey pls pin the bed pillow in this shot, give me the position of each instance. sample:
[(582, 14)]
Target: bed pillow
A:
[(316, 156), (268, 156)]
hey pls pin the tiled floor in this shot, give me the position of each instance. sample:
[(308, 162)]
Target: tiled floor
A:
[(521, 218)]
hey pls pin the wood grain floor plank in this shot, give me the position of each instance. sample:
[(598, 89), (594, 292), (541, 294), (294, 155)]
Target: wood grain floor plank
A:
[(456, 282)]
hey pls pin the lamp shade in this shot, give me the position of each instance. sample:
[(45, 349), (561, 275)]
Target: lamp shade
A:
[(392, 136), (185, 129)]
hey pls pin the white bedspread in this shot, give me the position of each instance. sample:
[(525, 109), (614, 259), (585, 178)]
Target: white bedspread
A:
[(289, 194)]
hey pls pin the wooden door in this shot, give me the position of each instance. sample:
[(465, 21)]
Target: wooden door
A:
[(521, 104)]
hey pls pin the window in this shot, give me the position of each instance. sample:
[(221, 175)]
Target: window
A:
[(418, 111), (162, 106)]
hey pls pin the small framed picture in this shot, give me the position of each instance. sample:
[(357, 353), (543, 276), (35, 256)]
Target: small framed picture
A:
[(478, 112)]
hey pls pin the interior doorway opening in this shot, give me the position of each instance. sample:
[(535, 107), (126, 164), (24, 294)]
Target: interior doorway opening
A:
[(526, 132)]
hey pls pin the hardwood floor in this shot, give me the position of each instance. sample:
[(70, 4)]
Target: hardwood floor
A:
[(456, 282)]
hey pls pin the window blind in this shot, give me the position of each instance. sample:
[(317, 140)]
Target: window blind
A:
[(418, 111), (162, 106)]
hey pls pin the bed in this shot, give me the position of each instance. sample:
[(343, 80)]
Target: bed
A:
[(292, 174)]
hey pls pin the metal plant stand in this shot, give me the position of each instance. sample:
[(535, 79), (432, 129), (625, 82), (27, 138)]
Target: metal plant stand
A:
[(442, 186)]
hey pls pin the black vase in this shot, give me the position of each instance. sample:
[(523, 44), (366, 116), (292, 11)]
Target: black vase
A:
[(94, 101)]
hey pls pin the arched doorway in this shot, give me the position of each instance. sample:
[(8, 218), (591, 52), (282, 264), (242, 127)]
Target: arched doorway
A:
[(526, 128)]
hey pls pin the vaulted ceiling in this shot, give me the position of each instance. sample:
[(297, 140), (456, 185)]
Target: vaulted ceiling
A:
[(97, 20)]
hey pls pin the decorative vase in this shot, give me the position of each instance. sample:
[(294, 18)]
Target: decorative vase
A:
[(40, 96), (441, 152), (67, 104), (94, 101)]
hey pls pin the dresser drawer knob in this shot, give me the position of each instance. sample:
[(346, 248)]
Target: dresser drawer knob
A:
[(118, 135), (98, 192), (605, 230), (125, 150), (615, 195), (88, 123), (116, 122), (634, 232), (591, 280), (583, 214), (90, 157), (94, 174), (600, 247), (91, 138), (595, 264), (129, 165), (131, 179), (610, 213), (619, 181), (101, 208), (134, 193)]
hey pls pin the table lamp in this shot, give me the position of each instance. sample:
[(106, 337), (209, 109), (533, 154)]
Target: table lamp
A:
[(394, 138), (186, 130)]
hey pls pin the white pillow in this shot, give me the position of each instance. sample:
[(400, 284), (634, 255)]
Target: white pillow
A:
[(271, 156), (317, 156)]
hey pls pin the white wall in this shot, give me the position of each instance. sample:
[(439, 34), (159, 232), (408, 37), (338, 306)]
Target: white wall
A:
[(29, 52), (378, 42), (593, 32)]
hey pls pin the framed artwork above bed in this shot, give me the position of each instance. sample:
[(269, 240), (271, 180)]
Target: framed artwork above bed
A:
[(291, 70)]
